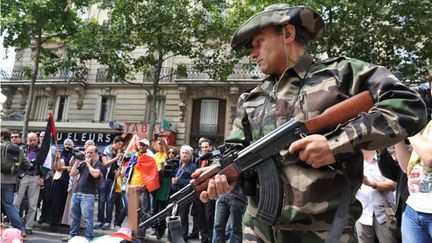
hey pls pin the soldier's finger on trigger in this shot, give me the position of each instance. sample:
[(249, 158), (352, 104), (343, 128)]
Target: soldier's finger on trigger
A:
[(303, 156), (204, 196)]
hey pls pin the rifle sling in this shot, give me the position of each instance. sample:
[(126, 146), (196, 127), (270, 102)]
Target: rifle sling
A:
[(341, 215), (175, 229)]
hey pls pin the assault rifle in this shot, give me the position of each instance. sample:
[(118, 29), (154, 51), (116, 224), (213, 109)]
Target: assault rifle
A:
[(261, 155)]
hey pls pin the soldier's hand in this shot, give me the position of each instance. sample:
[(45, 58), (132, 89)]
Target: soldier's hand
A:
[(217, 186), (314, 150)]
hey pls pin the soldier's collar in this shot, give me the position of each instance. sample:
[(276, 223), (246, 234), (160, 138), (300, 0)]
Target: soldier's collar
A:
[(301, 66)]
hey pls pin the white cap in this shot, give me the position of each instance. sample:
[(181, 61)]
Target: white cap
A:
[(144, 141)]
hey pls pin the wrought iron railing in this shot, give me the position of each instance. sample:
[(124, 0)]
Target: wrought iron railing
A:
[(102, 76), (208, 129), (19, 74), (239, 72)]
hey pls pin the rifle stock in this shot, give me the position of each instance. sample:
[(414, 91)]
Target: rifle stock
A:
[(262, 152)]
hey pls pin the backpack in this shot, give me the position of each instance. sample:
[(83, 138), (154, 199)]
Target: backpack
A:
[(10, 158)]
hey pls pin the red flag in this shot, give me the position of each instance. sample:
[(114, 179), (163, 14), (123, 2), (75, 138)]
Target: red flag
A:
[(53, 128), (146, 165)]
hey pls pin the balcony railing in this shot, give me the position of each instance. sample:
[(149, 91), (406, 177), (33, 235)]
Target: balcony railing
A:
[(102, 76), (167, 75), (18, 74), (239, 72)]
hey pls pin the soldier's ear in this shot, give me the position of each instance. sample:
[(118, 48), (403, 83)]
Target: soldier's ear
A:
[(289, 32)]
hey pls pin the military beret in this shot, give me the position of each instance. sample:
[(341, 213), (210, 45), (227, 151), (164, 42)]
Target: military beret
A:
[(278, 14)]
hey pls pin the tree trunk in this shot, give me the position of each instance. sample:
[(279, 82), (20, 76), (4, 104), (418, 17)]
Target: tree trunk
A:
[(153, 100), (32, 84)]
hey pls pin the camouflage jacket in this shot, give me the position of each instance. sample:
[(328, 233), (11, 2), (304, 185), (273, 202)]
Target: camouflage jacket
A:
[(306, 90)]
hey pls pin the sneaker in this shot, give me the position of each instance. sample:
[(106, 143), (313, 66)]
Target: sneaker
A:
[(98, 225), (67, 238), (29, 231), (106, 226)]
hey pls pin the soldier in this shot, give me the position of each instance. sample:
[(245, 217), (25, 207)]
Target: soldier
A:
[(299, 87)]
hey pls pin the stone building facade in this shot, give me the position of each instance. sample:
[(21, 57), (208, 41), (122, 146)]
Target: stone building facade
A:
[(194, 105)]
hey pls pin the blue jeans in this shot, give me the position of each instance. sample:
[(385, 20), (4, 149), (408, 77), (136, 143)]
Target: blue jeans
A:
[(7, 195), (82, 204), (226, 207), (416, 226), (106, 202)]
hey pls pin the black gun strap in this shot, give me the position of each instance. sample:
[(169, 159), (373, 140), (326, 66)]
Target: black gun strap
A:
[(175, 229), (341, 215)]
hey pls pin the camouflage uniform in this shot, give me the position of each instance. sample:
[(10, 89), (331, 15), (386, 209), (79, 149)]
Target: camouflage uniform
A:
[(304, 91)]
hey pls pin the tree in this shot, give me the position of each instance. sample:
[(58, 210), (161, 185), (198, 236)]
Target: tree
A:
[(163, 28), (40, 21), (393, 33)]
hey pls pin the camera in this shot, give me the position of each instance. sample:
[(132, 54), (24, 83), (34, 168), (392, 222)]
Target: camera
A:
[(79, 155), (170, 168)]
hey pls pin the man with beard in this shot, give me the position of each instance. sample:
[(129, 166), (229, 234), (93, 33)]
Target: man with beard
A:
[(30, 182), (58, 192)]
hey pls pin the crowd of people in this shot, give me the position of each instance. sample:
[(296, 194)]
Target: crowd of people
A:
[(133, 185), (384, 189), (145, 178)]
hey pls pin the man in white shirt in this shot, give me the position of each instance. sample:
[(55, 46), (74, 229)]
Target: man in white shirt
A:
[(375, 189)]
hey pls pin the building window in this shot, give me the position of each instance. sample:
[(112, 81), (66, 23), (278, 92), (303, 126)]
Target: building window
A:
[(209, 116), (105, 108), (40, 110), (62, 106), (160, 108), (208, 120)]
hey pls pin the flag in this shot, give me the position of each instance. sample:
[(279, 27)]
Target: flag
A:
[(133, 144), (48, 147), (166, 125)]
